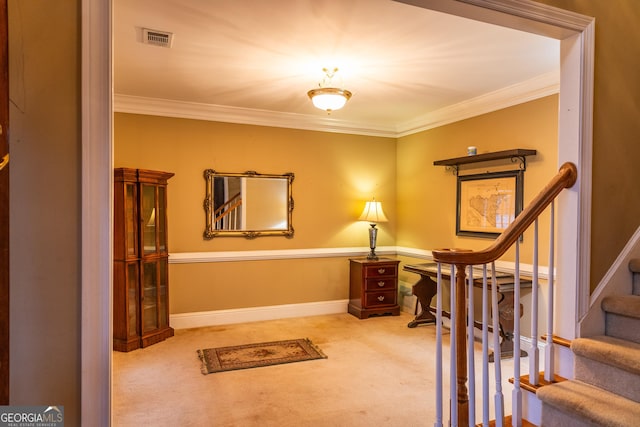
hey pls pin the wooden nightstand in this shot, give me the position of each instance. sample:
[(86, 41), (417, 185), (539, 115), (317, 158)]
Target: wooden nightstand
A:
[(373, 287)]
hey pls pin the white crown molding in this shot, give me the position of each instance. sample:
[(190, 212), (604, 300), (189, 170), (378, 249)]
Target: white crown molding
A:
[(538, 87), (537, 12), (226, 114)]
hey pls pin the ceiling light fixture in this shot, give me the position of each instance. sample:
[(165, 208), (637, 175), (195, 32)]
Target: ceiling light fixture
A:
[(327, 97)]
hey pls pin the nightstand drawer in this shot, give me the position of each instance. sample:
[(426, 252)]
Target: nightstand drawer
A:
[(381, 284), (378, 299), (381, 270)]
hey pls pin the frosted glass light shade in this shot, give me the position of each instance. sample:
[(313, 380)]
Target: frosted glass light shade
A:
[(329, 98)]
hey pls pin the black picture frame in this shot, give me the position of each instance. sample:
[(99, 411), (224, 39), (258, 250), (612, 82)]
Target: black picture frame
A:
[(487, 203)]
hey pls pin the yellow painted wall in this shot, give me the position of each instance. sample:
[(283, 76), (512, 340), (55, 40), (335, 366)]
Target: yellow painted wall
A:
[(427, 193), (45, 142), (240, 284), (45, 205), (334, 175), (615, 205)]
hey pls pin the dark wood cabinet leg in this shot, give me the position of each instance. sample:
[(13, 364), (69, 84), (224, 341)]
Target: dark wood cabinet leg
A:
[(425, 289), (506, 320)]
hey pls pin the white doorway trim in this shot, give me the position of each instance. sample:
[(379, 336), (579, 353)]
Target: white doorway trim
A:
[(576, 33), (97, 214)]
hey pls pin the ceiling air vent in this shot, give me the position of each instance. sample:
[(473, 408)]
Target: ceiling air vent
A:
[(157, 38)]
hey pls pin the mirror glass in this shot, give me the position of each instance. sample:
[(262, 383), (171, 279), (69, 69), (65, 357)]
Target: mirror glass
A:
[(248, 204)]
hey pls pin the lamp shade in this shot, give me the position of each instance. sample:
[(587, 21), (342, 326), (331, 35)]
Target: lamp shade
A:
[(373, 213)]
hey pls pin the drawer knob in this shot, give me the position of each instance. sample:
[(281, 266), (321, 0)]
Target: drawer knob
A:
[(381, 298), (381, 284), (381, 270)]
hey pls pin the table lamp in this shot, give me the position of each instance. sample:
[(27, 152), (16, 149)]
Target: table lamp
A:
[(373, 214)]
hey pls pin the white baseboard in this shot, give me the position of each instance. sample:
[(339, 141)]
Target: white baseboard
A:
[(255, 314)]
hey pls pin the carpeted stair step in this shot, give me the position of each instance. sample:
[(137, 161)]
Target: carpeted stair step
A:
[(634, 267), (622, 317), (575, 403), (610, 363)]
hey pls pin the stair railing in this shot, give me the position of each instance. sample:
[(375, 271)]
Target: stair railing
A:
[(226, 217), (462, 398)]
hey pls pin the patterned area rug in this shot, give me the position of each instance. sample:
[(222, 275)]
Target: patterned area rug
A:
[(254, 355)]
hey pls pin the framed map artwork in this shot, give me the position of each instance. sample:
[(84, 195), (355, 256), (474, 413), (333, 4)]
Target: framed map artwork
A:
[(487, 203)]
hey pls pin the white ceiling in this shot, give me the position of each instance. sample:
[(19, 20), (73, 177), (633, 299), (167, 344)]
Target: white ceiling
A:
[(254, 61)]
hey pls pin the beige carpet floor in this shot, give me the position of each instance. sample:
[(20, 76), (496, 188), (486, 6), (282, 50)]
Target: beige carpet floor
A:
[(378, 373)]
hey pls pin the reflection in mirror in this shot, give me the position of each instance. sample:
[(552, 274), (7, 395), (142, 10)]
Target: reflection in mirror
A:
[(248, 204)]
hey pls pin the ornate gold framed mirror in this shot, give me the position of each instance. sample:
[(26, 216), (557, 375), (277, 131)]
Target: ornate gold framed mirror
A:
[(248, 204)]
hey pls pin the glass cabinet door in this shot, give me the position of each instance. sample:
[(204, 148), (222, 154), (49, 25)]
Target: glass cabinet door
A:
[(130, 218), (155, 295), (153, 217), (163, 293), (162, 219), (149, 203), (132, 277), (150, 281)]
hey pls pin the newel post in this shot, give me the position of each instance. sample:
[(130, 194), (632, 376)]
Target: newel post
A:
[(459, 258), (461, 345)]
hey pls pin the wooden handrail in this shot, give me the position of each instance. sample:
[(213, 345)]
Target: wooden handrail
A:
[(231, 209), (461, 258), (565, 178)]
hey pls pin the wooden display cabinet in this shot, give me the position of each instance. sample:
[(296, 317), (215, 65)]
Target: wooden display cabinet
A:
[(140, 259)]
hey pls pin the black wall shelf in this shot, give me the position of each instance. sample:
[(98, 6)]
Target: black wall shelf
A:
[(516, 155)]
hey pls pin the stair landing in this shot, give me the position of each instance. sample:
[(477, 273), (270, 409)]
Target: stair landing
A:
[(526, 385)]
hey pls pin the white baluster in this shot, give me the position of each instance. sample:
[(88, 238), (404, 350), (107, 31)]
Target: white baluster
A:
[(453, 387), (534, 353), (485, 347), (549, 357), (497, 361), (516, 396), (439, 390)]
